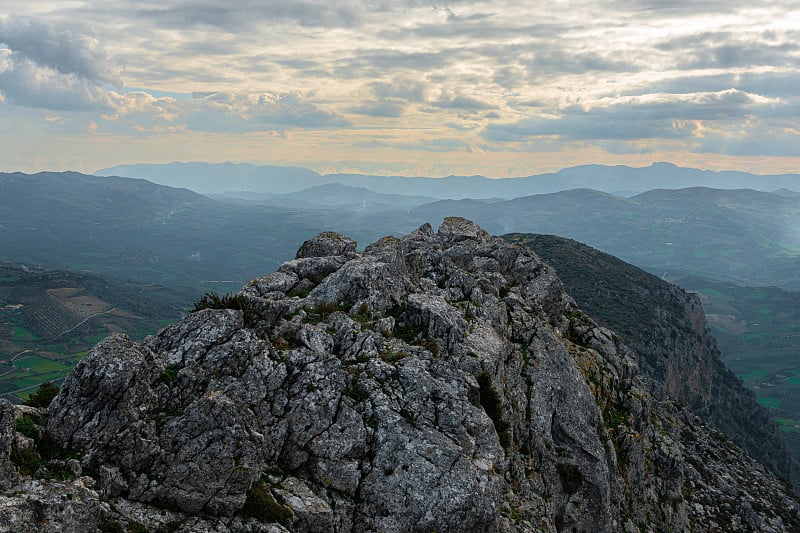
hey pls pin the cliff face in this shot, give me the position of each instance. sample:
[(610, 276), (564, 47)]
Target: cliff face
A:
[(677, 352), (442, 381)]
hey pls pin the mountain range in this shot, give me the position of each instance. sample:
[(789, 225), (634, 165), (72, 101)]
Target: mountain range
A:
[(135, 229), (624, 180)]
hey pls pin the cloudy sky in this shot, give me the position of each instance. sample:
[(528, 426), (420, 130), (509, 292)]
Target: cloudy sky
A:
[(401, 86)]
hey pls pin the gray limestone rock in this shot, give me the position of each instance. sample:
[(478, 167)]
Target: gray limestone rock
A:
[(326, 244), (9, 476)]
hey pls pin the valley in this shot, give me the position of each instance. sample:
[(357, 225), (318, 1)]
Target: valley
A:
[(50, 319)]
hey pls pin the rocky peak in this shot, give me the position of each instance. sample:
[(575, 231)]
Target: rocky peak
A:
[(326, 244), (438, 381)]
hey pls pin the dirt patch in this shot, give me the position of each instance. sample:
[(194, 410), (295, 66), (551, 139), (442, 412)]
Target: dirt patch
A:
[(728, 323), (78, 301)]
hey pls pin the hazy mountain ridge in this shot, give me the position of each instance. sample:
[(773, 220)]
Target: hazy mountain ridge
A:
[(219, 177), (330, 195), (720, 234), (748, 237), (439, 381)]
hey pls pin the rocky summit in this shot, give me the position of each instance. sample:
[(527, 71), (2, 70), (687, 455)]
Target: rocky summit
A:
[(442, 381)]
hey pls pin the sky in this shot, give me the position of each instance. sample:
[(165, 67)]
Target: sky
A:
[(407, 87)]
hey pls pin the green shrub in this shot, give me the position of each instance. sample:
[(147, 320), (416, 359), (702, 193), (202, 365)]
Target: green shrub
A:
[(43, 395), (27, 427), (27, 460), (170, 374), (211, 300), (108, 525), (262, 506), (322, 311), (355, 394)]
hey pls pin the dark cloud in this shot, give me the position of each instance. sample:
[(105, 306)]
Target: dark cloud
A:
[(549, 61), (463, 102), (30, 85), (382, 109), (53, 67), (66, 50), (732, 50)]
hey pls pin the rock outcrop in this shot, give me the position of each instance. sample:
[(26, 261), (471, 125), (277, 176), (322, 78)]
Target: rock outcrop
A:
[(441, 381)]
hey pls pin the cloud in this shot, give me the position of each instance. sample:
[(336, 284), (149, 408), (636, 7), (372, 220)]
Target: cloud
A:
[(67, 50), (245, 14), (54, 67), (382, 109), (657, 116), (427, 145), (27, 84), (462, 102), (733, 50), (403, 90), (225, 111)]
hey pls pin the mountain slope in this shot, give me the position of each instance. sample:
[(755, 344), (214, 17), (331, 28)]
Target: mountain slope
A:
[(130, 228), (667, 328), (441, 381)]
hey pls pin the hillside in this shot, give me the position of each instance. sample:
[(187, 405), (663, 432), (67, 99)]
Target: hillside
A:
[(667, 328), (742, 236), (131, 229), (439, 381), (134, 229)]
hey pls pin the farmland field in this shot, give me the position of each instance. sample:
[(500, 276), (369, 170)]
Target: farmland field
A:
[(49, 320)]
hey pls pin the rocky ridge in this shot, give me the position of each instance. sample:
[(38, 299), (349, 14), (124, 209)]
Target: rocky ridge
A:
[(441, 381)]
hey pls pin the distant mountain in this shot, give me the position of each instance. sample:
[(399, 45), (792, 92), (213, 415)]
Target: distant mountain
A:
[(130, 228), (331, 195), (744, 236), (224, 177), (788, 193), (220, 177)]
